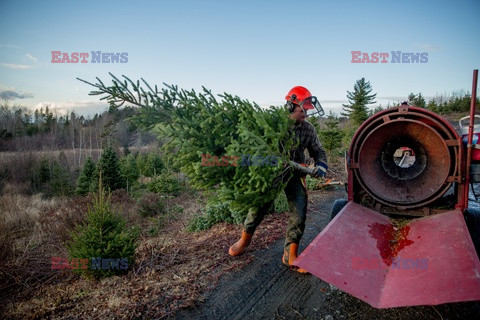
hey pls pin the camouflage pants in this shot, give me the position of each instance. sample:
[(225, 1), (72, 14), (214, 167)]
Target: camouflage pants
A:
[(296, 193)]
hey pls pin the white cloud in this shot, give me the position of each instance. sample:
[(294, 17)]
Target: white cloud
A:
[(7, 88), (29, 56), (85, 108), (16, 66)]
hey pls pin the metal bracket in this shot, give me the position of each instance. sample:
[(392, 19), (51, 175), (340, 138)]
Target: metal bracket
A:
[(452, 143), (453, 179)]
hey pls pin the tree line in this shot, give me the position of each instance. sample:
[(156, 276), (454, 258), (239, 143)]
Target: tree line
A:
[(44, 129)]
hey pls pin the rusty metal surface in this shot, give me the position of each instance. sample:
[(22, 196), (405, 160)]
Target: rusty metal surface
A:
[(404, 186), (437, 158), (425, 261)]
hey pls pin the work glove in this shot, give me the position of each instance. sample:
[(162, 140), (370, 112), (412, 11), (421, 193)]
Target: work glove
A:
[(320, 170)]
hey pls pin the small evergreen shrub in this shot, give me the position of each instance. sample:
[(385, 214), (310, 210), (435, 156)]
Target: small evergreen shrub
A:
[(129, 170), (108, 168), (150, 164), (215, 212), (85, 179), (167, 183), (104, 235)]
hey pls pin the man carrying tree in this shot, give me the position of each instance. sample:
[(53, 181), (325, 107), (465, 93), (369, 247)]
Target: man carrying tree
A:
[(299, 102)]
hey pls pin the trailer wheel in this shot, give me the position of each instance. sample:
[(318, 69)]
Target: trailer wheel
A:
[(337, 206), (472, 218)]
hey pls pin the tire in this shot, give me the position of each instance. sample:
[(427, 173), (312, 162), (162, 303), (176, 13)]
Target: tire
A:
[(472, 218), (337, 206)]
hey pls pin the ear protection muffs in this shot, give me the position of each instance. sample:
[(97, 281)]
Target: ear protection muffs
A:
[(290, 105)]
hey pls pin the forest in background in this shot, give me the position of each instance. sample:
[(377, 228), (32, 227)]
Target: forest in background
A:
[(40, 146), (43, 129)]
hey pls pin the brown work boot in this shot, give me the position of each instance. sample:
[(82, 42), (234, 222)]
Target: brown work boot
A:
[(239, 246), (290, 255)]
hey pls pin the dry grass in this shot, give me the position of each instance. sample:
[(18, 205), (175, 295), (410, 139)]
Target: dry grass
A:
[(173, 269), (75, 157), (24, 244), (19, 220), (16, 167), (20, 160)]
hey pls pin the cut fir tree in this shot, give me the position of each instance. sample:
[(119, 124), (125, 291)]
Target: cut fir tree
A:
[(193, 124)]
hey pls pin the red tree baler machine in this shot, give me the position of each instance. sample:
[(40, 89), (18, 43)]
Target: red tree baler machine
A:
[(401, 238)]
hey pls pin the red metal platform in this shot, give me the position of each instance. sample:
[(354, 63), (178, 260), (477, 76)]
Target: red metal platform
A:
[(425, 261)]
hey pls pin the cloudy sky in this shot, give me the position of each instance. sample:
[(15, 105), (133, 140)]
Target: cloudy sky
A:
[(255, 49)]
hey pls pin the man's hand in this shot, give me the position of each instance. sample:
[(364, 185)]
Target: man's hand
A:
[(320, 170)]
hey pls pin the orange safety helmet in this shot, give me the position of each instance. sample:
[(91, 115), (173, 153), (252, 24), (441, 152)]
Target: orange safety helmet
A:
[(301, 96)]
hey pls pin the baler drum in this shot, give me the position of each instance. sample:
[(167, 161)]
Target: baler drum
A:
[(404, 162)]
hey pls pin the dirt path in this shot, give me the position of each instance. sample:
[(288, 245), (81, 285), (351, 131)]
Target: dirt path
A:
[(266, 289)]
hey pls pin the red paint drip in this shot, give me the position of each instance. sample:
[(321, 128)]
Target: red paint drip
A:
[(389, 241)]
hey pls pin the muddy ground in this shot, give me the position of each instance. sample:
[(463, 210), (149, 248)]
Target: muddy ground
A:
[(266, 289)]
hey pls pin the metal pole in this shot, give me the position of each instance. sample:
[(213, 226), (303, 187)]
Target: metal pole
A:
[(470, 134)]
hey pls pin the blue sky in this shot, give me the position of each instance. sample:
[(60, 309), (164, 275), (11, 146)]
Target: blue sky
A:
[(257, 50)]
